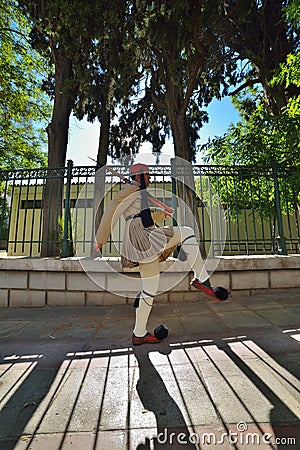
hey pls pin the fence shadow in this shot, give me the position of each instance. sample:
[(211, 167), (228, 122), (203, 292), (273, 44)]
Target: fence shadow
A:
[(171, 425), (71, 382)]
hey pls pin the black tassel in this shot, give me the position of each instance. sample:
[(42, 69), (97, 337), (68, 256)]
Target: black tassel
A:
[(136, 302), (145, 210)]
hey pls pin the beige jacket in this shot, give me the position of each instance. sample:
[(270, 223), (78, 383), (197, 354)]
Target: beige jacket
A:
[(127, 203)]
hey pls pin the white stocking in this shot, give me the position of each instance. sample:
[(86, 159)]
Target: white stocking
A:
[(185, 237), (150, 281)]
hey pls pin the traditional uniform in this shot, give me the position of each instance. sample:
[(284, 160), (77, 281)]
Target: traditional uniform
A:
[(146, 246), (139, 243)]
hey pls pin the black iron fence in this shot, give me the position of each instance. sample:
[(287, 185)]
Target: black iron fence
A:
[(239, 209)]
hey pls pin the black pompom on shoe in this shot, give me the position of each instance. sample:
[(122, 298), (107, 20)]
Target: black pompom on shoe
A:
[(221, 293), (161, 332)]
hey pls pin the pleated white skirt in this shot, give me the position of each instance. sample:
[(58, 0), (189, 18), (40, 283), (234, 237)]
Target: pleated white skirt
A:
[(141, 243)]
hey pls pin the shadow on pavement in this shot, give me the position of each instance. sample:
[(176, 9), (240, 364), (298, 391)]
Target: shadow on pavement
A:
[(172, 429), (72, 386)]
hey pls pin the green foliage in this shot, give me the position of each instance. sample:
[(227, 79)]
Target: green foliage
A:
[(155, 65), (258, 140), (292, 12), (58, 237), (288, 72), (189, 52), (262, 35), (24, 108), (182, 66), (261, 137)]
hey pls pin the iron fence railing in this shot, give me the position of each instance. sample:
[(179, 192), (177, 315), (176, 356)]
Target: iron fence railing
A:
[(239, 209)]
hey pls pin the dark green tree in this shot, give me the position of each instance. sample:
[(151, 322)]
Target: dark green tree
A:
[(262, 35), (64, 32), (108, 74), (266, 134), (183, 64), (52, 35), (24, 107), (266, 138)]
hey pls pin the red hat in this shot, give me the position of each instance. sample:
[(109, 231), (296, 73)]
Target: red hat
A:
[(138, 168)]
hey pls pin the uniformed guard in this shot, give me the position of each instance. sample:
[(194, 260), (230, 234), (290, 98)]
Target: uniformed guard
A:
[(145, 245)]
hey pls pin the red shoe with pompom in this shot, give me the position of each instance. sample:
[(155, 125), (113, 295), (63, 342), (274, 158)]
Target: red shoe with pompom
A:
[(147, 339)]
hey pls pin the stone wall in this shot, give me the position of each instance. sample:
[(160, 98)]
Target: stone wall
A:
[(37, 282)]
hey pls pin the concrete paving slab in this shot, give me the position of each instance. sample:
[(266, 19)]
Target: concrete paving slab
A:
[(12, 327), (74, 441), (240, 319), (69, 377), (290, 300), (260, 303), (295, 308), (227, 306), (192, 308), (200, 323), (280, 316), (115, 328), (114, 406)]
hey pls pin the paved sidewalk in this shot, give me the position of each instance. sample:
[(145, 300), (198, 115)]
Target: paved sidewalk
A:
[(226, 378)]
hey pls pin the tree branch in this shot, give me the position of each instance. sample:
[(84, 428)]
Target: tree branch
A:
[(13, 30), (191, 86), (244, 85)]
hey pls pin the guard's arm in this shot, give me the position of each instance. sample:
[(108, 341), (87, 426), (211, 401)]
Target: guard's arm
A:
[(113, 212)]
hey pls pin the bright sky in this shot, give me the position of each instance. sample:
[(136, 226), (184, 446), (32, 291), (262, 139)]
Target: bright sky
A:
[(84, 136)]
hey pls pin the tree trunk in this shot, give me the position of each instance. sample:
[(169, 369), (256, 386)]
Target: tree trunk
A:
[(103, 150), (186, 183), (57, 132), (104, 138), (99, 188)]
